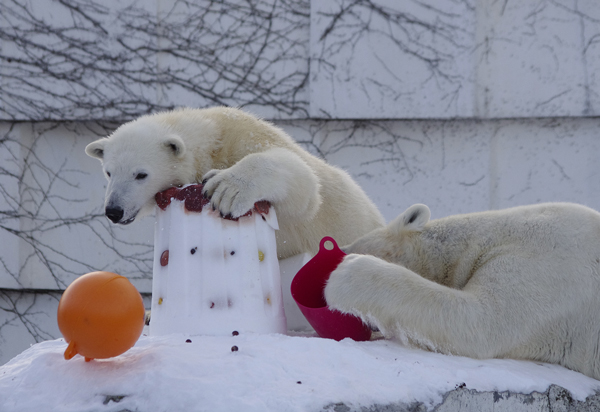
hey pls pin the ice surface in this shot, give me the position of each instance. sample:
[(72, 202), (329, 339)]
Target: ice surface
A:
[(288, 269), (221, 275)]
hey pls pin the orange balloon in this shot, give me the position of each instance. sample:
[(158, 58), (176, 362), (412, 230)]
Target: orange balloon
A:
[(101, 315)]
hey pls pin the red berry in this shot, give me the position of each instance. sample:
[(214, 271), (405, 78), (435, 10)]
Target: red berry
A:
[(163, 199), (193, 198), (262, 207), (191, 195), (164, 258)]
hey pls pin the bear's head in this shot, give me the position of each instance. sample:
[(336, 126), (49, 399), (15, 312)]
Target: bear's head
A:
[(140, 159), (396, 240)]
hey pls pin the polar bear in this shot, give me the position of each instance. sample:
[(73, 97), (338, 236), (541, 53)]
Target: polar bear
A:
[(241, 160), (521, 283)]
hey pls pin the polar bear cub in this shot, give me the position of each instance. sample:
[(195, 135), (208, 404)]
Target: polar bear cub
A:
[(241, 160), (521, 283)]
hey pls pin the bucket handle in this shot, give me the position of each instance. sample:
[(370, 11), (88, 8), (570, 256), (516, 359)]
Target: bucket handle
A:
[(323, 249)]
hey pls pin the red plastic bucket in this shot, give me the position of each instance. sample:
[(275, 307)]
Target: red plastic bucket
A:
[(307, 291)]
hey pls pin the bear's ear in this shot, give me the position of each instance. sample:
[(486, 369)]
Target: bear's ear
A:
[(175, 145), (413, 219), (96, 149)]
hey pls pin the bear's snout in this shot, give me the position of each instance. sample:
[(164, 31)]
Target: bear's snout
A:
[(115, 214)]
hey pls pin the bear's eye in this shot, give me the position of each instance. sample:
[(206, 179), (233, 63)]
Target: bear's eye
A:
[(141, 176), (108, 174)]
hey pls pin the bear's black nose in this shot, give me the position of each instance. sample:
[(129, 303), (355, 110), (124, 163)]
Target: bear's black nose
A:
[(114, 214)]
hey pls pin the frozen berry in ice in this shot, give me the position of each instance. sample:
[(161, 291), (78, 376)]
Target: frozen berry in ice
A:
[(164, 258), (232, 252), (193, 198), (160, 301), (235, 333), (261, 256), (188, 341), (193, 250), (163, 199), (262, 207), (234, 348)]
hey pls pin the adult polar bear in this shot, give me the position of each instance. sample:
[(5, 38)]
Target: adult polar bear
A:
[(242, 160), (521, 283)]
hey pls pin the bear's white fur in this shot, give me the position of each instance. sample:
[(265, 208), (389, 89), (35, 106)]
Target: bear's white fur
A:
[(521, 283), (242, 160)]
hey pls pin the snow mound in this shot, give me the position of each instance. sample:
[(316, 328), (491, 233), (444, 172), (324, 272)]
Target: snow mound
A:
[(270, 372)]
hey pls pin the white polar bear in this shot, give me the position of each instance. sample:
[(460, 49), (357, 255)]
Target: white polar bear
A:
[(521, 283), (242, 160)]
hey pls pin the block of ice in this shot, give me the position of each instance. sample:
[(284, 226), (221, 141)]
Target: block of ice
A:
[(214, 275), (288, 268)]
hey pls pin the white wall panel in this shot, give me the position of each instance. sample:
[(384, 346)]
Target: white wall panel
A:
[(390, 59)]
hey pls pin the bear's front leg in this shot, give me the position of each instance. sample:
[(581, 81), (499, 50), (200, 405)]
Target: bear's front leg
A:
[(353, 286), (403, 304), (276, 175)]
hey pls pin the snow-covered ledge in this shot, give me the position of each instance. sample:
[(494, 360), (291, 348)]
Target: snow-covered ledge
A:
[(285, 373), (555, 399)]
